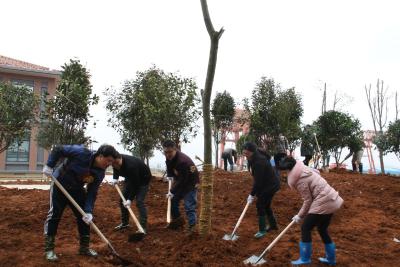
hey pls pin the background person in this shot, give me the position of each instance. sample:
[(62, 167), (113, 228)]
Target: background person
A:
[(229, 155)]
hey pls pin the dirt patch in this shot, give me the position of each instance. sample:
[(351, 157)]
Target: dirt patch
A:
[(363, 229)]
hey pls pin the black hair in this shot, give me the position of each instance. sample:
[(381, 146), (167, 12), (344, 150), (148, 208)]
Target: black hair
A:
[(108, 150), (287, 164), (169, 144), (250, 146)]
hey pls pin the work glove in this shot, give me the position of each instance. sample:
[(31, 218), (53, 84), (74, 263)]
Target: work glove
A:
[(250, 199), (47, 171), (114, 182), (87, 218), (169, 195), (127, 204), (296, 218)]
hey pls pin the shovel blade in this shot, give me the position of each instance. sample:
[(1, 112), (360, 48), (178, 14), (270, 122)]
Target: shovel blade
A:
[(254, 260), (136, 237), (230, 237)]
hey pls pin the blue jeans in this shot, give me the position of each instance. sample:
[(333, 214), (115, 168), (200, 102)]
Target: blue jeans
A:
[(190, 203)]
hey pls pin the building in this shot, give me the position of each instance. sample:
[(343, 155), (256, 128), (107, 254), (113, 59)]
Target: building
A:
[(27, 157)]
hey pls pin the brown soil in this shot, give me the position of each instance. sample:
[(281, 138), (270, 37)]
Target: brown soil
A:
[(363, 229)]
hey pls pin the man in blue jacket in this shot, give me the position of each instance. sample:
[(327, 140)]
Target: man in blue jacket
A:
[(74, 166)]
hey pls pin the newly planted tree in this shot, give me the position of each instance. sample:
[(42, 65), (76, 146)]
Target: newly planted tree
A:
[(378, 107), (66, 116), (207, 179), (17, 116), (151, 108), (274, 111), (223, 113), (390, 141), (337, 130)]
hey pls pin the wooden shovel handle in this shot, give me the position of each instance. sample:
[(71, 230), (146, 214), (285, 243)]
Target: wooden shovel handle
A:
[(275, 240), (240, 218), (139, 226), (93, 226), (169, 201)]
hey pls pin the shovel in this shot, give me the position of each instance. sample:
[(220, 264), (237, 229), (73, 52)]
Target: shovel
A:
[(233, 236), (136, 236), (169, 200), (124, 262), (258, 260)]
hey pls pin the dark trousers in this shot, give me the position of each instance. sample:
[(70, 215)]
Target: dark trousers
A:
[(190, 204), (321, 221), (226, 160), (263, 206), (277, 159), (307, 159), (58, 202), (139, 196)]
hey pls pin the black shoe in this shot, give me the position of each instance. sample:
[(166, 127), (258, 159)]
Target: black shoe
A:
[(271, 228), (176, 223), (121, 227)]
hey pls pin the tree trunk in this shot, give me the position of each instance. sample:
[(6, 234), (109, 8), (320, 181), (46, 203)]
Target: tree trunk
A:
[(208, 176)]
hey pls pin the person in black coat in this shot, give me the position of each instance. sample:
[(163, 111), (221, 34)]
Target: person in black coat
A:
[(137, 178), (265, 185)]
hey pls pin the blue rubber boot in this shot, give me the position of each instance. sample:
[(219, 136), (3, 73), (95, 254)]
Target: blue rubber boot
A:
[(305, 254), (330, 255)]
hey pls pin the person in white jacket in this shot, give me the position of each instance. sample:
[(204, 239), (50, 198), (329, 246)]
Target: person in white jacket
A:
[(320, 202)]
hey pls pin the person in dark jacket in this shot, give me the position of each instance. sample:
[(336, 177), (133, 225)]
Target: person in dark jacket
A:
[(184, 186), (307, 144), (229, 155), (265, 185), (137, 178), (74, 167)]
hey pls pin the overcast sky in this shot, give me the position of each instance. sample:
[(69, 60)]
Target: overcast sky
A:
[(301, 44)]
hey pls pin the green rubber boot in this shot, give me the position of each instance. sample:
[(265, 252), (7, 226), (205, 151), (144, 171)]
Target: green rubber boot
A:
[(84, 247), (262, 231), (49, 248)]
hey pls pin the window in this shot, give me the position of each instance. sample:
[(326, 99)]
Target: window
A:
[(43, 96), (27, 83), (19, 151)]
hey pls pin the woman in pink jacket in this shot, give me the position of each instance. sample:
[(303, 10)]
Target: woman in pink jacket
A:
[(320, 202)]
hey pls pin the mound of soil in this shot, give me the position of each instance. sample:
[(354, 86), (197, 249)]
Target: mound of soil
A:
[(363, 229)]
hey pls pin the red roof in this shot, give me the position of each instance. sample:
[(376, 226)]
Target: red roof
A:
[(10, 62)]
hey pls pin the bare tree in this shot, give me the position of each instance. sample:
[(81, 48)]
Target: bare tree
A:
[(208, 176), (378, 107)]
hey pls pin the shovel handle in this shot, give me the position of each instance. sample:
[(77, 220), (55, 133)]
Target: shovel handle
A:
[(93, 226), (139, 226), (169, 201), (240, 218), (275, 241)]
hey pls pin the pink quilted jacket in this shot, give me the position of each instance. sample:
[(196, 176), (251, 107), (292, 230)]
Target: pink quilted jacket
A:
[(319, 197)]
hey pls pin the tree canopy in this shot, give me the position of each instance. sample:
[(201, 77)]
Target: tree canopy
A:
[(153, 107), (223, 113), (66, 115), (17, 116), (273, 111), (336, 130)]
